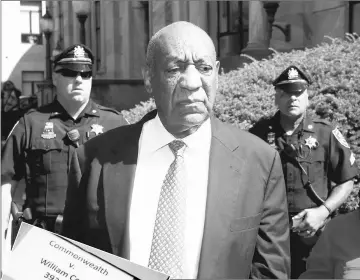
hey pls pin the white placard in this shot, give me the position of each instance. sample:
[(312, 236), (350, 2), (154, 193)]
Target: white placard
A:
[(39, 254)]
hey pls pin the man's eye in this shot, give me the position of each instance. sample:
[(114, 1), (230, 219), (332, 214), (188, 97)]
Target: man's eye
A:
[(173, 70), (205, 69)]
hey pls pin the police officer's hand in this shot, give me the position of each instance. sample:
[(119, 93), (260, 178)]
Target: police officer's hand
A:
[(311, 221)]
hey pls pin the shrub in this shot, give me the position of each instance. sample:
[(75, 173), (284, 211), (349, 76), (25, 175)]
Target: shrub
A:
[(245, 95), (136, 113)]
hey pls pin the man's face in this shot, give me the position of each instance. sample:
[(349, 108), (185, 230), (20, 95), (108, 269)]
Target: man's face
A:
[(8, 86), (292, 104), (72, 86), (184, 80)]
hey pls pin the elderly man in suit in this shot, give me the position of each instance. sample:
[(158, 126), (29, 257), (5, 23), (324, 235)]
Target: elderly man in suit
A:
[(179, 191)]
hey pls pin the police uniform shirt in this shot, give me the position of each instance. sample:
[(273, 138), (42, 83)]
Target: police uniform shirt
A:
[(321, 150), (38, 149)]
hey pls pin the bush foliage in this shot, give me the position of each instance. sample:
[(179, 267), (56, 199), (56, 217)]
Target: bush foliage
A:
[(245, 95)]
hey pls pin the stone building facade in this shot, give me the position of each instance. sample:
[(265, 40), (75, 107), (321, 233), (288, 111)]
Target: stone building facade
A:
[(118, 32)]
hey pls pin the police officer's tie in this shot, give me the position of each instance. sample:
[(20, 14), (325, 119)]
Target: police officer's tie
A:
[(167, 248)]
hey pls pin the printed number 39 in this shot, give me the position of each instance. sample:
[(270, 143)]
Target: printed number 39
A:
[(50, 276)]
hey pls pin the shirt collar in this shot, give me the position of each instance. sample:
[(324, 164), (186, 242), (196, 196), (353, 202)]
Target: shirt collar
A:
[(156, 136), (90, 109), (306, 124), (57, 109)]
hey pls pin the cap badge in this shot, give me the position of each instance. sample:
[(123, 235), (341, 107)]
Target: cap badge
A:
[(79, 52), (311, 142), (293, 74), (97, 129), (48, 132)]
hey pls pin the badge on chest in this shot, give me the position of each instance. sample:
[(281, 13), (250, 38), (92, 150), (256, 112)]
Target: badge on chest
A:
[(271, 139), (95, 130), (306, 146)]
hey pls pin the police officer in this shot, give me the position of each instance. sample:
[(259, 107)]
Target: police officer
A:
[(39, 146), (318, 164)]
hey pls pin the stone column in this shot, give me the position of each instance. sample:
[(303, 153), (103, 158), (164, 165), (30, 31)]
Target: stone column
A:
[(180, 10), (198, 13), (160, 15), (259, 37), (137, 48)]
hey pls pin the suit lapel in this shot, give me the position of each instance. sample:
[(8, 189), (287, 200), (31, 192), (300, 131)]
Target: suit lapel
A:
[(118, 178), (223, 189), (118, 181)]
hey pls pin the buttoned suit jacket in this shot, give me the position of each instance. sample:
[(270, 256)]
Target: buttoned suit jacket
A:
[(246, 230)]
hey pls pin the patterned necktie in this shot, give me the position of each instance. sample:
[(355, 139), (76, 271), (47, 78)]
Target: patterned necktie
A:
[(167, 246)]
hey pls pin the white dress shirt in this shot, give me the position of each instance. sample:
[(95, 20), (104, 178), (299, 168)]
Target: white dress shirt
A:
[(154, 160)]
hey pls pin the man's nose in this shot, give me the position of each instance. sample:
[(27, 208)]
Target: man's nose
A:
[(191, 79), (78, 78)]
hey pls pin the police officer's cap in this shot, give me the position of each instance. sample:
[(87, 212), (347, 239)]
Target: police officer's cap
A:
[(292, 80), (77, 58)]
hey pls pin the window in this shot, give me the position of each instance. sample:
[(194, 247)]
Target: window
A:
[(30, 13), (30, 79), (98, 35), (233, 26), (354, 17)]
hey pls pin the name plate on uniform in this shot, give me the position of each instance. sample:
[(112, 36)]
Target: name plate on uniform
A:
[(40, 254)]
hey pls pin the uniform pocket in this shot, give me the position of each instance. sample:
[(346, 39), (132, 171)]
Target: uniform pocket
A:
[(45, 155), (314, 163), (315, 168)]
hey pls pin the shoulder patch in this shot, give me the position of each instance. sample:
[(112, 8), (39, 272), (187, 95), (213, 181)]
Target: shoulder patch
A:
[(103, 108), (352, 159), (340, 138)]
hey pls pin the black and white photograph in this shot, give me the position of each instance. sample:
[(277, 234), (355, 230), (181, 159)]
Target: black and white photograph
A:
[(180, 139)]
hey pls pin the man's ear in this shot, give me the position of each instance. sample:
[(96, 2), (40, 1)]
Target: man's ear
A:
[(307, 93), (146, 73), (54, 78)]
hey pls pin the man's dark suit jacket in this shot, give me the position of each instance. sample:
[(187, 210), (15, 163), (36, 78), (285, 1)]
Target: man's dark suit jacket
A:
[(246, 231)]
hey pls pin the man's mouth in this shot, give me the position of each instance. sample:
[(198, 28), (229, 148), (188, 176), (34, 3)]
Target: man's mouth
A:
[(188, 102)]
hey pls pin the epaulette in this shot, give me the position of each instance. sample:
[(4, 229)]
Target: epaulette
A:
[(263, 124), (44, 109), (265, 121), (32, 110), (108, 109), (323, 121)]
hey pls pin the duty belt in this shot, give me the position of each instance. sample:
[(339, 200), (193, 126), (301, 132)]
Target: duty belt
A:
[(44, 222)]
